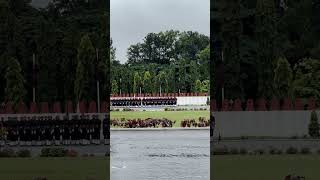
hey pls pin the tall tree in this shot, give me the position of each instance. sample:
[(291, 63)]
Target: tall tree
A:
[(14, 91), (283, 78), (84, 83)]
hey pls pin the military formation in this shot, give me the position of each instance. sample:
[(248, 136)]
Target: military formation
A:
[(46, 131), (145, 101)]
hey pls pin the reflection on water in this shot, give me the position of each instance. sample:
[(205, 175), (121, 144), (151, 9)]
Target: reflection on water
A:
[(141, 155)]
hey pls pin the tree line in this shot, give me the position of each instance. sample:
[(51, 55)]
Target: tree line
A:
[(61, 50), (265, 48), (164, 62)]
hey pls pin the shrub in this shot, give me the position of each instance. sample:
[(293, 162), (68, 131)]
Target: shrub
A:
[(220, 151), (305, 151), (279, 151), (273, 151), (7, 153), (259, 151), (72, 153), (24, 153), (314, 125), (318, 151), (234, 151), (292, 150), (243, 151), (53, 152)]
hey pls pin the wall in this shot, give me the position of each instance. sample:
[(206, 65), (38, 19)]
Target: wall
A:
[(262, 123), (191, 100)]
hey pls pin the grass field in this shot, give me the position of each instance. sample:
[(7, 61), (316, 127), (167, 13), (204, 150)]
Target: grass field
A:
[(81, 168), (172, 115), (267, 167)]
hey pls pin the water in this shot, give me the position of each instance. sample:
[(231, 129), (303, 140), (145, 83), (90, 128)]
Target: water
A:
[(163, 155)]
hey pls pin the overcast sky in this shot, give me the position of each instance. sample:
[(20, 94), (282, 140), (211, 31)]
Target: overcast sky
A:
[(132, 20)]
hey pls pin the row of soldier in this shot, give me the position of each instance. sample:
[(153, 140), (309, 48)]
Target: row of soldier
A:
[(54, 132), (139, 123), (144, 102)]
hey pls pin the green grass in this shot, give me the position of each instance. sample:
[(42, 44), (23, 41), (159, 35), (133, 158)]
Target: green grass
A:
[(80, 168), (264, 167), (177, 116)]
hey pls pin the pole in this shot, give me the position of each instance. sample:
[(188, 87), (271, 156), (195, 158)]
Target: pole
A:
[(34, 89), (98, 83), (120, 86), (222, 90), (98, 93)]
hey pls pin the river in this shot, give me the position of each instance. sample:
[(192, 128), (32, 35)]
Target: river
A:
[(162, 155)]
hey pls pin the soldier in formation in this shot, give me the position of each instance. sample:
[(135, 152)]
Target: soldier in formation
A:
[(47, 131)]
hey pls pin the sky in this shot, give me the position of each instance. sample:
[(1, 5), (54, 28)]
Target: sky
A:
[(132, 20)]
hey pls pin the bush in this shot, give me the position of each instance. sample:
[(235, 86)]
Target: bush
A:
[(259, 151), (243, 151), (292, 150), (72, 153), (234, 151), (7, 153), (127, 109), (220, 151), (305, 151), (273, 151), (24, 153), (53, 152), (318, 151), (314, 129)]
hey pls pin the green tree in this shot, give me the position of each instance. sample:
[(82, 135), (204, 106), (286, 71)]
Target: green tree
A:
[(114, 87), (198, 86), (147, 83), (84, 83), (15, 89), (283, 78), (314, 126), (136, 82)]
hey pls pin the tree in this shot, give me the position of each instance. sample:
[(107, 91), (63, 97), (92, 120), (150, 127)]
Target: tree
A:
[(283, 78), (314, 125), (136, 82), (266, 34), (147, 84), (84, 83), (198, 86), (306, 79), (14, 91), (114, 87), (162, 81)]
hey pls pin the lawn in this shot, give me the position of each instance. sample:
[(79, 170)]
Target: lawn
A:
[(266, 167), (177, 116), (80, 168)]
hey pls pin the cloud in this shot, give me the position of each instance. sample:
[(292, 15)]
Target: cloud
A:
[(131, 20)]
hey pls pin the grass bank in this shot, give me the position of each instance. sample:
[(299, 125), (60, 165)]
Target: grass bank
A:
[(80, 168), (264, 167), (177, 116)]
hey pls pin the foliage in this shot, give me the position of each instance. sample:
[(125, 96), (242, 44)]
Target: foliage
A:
[(314, 127), (15, 91)]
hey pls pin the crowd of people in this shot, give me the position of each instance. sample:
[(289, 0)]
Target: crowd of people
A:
[(202, 122), (57, 131), (142, 123)]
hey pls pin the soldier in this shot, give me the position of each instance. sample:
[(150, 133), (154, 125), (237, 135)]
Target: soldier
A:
[(56, 131), (106, 128)]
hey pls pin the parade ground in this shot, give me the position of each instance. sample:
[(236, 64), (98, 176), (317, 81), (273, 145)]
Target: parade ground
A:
[(264, 167), (177, 116), (82, 168)]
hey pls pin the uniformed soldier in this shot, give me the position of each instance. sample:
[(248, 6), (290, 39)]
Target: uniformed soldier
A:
[(106, 128), (57, 131)]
